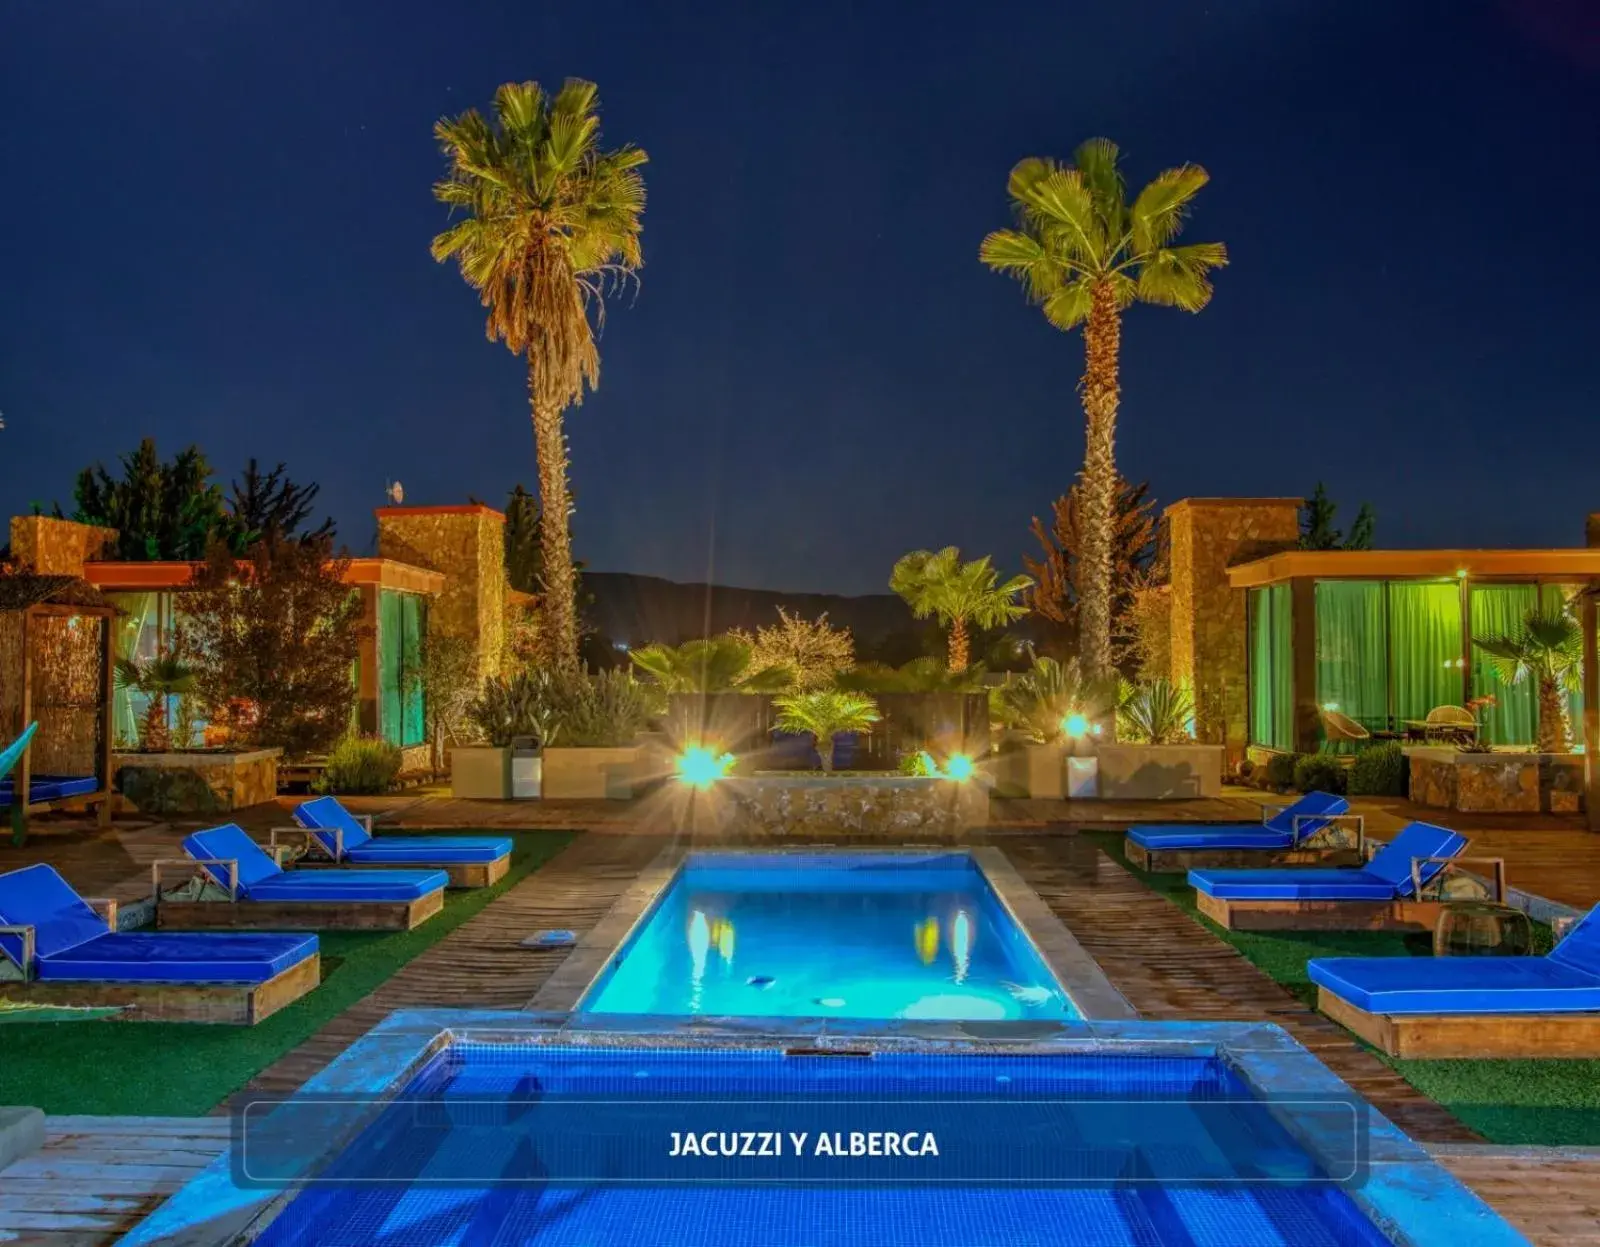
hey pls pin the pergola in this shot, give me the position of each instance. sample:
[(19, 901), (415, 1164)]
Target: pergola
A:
[(56, 668)]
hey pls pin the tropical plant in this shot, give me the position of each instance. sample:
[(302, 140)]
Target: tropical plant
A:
[(809, 649), (1316, 524), (717, 665), (1548, 650), (920, 675), (919, 764), (601, 710), (363, 765), (825, 714), (1058, 572), (1319, 772), (445, 676), (524, 704), (1379, 771), (276, 633), (1158, 712), (1084, 255), (939, 584), (1043, 699), (551, 225), (159, 679)]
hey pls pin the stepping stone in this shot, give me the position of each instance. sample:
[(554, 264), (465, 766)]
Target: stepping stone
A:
[(21, 1133)]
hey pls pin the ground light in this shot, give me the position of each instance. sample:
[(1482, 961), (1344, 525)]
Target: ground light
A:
[(1075, 725), (958, 767), (701, 767)]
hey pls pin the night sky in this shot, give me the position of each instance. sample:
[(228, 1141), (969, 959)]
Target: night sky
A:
[(217, 216)]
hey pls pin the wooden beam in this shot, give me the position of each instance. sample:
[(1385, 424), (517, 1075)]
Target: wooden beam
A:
[(108, 692), (1591, 707), (1303, 622)]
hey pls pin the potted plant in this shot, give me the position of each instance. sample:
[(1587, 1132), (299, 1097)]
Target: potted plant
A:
[(824, 715), (592, 746), (1156, 756), (1056, 706)]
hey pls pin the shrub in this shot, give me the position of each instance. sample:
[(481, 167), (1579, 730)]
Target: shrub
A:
[(362, 765), (1318, 772), (1279, 771), (918, 763), (510, 706), (1379, 771), (601, 711)]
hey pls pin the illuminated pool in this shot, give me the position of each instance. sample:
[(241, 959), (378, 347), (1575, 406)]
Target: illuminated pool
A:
[(912, 936)]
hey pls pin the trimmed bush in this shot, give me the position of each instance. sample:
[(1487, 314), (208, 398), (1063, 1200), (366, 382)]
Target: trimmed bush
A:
[(1317, 772), (360, 765), (1380, 771), (1279, 770)]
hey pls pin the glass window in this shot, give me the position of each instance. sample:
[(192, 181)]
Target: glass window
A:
[(1352, 659), (1271, 668), (1425, 647)]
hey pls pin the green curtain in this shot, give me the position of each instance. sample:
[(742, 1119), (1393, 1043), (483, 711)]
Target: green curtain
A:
[(1271, 668), (1425, 646), (1498, 610), (391, 665), (414, 617), (1352, 663)]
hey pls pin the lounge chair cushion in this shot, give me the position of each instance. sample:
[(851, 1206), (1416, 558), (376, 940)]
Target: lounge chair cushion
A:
[(1292, 884), (327, 814), (12, 753), (1393, 861), (38, 897), (1487, 985), (178, 957), (230, 843), (431, 850), (50, 788), (1580, 948), (332, 886), (1276, 832)]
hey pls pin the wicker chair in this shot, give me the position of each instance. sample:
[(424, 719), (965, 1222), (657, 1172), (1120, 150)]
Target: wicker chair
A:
[(1450, 723), (1340, 729)]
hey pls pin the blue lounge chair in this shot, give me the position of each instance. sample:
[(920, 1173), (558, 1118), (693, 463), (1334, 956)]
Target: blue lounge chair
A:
[(56, 949), (1471, 1006), (1316, 828), (337, 837), (12, 753), (240, 886), (1385, 894)]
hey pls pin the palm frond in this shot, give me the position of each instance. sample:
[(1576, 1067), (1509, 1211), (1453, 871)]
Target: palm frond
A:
[(1157, 214), (1176, 276), (1068, 307)]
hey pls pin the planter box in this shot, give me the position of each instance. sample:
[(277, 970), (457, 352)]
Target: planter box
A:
[(196, 783), (1159, 772), (1029, 769), (480, 771), (591, 774), (1498, 783)]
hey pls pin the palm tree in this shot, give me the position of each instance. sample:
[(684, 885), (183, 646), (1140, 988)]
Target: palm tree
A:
[(158, 679), (1084, 255), (825, 714), (958, 593), (1548, 649), (551, 225)]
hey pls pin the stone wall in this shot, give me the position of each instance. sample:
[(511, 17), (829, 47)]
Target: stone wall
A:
[(1498, 783), (56, 547), (890, 809), (196, 783), (467, 544), (1209, 633)]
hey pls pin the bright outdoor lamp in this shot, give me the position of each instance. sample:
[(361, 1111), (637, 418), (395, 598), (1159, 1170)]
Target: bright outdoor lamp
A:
[(1075, 725), (700, 767), (958, 767)]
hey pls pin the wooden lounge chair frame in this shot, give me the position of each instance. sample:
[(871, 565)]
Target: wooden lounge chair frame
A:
[(233, 914), (240, 1004), (313, 855), (1468, 1035), (1416, 912), (1303, 852)]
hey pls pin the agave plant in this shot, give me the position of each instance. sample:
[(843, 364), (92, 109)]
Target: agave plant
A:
[(525, 704), (1547, 649), (159, 679), (1157, 713), (716, 665), (1043, 699), (825, 714)]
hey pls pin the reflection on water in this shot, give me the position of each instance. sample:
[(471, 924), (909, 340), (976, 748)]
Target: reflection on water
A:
[(927, 940), (961, 944)]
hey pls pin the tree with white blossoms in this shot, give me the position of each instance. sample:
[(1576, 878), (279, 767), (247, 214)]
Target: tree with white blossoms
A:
[(812, 649)]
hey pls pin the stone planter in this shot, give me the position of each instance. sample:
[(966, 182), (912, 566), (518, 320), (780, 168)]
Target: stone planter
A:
[(202, 782), (1159, 772), (1501, 783), (591, 774), (844, 806), (1028, 769), (481, 772)]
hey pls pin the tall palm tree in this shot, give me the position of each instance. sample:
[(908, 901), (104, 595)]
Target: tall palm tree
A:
[(551, 226), (1084, 255), (1547, 649), (958, 594)]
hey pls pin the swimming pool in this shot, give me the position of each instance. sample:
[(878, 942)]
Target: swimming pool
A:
[(466, 1128), (920, 936)]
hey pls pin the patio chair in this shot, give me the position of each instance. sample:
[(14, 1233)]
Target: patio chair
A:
[(1471, 1007), (335, 837), (1340, 729), (56, 949), (1450, 723), (1389, 893), (1316, 828), (240, 886)]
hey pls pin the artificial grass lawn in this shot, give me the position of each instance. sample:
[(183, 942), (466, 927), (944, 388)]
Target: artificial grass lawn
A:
[(185, 1069), (1548, 1102)]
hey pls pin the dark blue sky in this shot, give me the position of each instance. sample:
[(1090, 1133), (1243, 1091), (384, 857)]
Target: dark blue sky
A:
[(217, 216)]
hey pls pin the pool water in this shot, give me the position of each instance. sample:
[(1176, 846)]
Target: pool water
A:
[(493, 1172), (875, 936)]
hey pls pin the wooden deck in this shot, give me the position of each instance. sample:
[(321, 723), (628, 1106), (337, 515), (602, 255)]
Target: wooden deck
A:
[(1551, 1194)]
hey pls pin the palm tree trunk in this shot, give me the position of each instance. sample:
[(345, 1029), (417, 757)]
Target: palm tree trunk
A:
[(825, 749), (1102, 340), (1555, 728), (558, 636), (960, 646)]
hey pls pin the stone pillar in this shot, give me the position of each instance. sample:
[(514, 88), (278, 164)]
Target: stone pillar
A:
[(467, 544), (1210, 634), (53, 547)]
